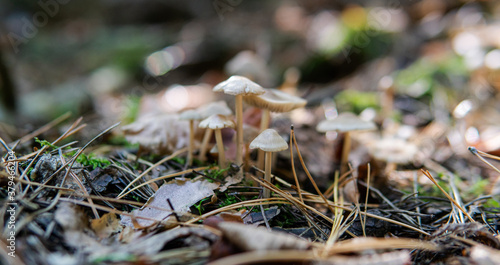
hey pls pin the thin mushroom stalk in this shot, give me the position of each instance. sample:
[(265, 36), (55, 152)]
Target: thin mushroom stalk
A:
[(220, 147), (267, 176), (239, 130), (264, 124), (204, 144), (346, 148), (191, 143)]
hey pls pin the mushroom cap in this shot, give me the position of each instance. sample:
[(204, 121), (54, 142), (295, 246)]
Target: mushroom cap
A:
[(345, 122), (190, 114), (217, 121), (269, 141), (218, 107), (239, 85), (393, 150), (276, 101)]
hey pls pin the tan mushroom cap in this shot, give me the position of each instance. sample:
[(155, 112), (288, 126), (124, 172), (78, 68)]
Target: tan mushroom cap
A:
[(216, 121), (345, 122), (239, 85), (190, 114), (275, 101), (269, 141), (218, 107)]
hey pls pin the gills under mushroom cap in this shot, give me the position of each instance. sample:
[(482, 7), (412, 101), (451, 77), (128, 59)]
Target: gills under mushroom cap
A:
[(239, 85), (269, 141), (276, 101), (216, 121)]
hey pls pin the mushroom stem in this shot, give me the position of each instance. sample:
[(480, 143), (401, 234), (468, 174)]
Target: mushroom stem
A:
[(267, 176), (191, 143), (204, 144), (220, 147), (345, 152), (264, 124), (247, 157), (239, 131)]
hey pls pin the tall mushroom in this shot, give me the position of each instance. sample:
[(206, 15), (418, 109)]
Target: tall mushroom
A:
[(239, 86), (269, 141), (345, 123), (218, 107), (273, 100), (217, 122), (191, 116)]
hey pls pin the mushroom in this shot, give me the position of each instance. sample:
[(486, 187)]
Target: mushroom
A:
[(345, 123), (218, 107), (393, 151), (191, 116), (249, 133), (239, 86), (273, 100), (268, 141), (217, 122)]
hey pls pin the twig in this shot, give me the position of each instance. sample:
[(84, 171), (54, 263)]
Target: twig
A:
[(431, 178)]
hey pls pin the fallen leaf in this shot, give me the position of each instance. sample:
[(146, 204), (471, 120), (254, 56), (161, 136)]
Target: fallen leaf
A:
[(250, 238), (106, 225), (182, 195)]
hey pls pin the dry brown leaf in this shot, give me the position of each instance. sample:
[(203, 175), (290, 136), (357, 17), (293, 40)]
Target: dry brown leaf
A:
[(182, 194), (390, 258), (106, 225), (252, 238)]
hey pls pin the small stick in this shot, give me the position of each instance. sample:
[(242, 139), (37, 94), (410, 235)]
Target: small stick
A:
[(292, 133), (431, 178)]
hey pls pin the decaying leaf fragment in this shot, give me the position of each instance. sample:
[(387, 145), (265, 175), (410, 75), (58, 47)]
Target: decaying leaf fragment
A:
[(106, 225), (250, 238), (182, 195)]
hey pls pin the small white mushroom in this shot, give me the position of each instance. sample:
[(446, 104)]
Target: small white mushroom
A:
[(273, 100), (218, 107), (239, 86), (268, 141), (217, 123), (345, 123), (191, 116)]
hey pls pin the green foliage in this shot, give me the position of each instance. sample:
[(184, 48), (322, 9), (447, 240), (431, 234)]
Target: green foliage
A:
[(133, 104), (199, 205), (424, 76), (92, 160), (356, 101), (228, 201), (45, 143)]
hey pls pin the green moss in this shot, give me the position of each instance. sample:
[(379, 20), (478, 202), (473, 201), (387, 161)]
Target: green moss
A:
[(92, 160)]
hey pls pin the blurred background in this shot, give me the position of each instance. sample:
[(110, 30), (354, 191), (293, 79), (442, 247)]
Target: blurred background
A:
[(112, 60)]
